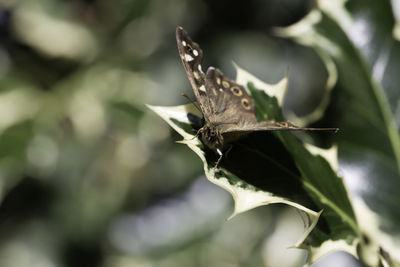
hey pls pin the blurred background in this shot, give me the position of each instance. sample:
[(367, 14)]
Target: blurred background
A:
[(90, 177)]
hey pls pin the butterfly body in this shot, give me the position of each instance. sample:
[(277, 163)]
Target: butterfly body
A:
[(228, 110)]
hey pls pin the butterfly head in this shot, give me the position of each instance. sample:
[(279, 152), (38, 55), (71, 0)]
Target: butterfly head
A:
[(212, 138)]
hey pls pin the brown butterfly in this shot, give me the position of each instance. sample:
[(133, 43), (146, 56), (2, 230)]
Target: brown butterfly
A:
[(228, 110)]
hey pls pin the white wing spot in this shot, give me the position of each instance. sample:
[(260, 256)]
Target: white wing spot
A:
[(183, 43), (195, 52), (220, 89), (188, 57), (219, 152), (196, 75), (200, 69), (202, 88)]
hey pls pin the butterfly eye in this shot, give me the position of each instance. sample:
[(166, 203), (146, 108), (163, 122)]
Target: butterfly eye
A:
[(246, 104), (236, 91)]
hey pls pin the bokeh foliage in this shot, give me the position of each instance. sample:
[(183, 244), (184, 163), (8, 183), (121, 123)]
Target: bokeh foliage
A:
[(88, 175)]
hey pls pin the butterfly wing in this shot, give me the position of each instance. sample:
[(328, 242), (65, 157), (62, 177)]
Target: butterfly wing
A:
[(192, 56), (230, 103), (225, 104), (234, 111)]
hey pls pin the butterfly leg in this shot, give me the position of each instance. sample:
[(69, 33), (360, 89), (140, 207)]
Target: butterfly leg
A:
[(228, 150), (197, 135), (219, 159), (199, 131), (221, 155)]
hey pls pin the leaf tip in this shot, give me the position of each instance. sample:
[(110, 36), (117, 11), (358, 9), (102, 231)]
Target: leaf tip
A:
[(277, 90), (232, 215), (330, 154)]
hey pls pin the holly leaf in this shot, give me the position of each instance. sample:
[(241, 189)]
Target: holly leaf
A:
[(277, 167), (359, 37)]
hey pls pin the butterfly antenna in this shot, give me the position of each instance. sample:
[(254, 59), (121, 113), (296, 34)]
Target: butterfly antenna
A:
[(334, 130), (191, 101)]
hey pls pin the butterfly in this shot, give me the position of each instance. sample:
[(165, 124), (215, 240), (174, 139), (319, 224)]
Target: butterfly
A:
[(228, 110)]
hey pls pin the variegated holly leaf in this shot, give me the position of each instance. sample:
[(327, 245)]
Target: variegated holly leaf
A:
[(360, 38), (277, 167)]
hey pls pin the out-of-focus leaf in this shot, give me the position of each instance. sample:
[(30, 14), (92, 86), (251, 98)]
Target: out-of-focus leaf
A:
[(13, 145), (14, 140), (51, 35), (277, 167), (357, 36), (396, 13)]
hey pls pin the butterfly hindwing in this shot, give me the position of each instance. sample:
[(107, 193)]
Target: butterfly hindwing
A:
[(233, 108), (230, 102)]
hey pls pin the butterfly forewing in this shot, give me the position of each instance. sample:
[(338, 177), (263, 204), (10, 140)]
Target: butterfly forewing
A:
[(192, 56)]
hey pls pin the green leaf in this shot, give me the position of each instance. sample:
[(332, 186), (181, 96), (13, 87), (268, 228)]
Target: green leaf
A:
[(276, 167), (359, 37)]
